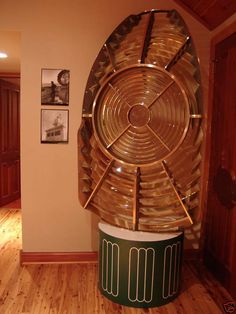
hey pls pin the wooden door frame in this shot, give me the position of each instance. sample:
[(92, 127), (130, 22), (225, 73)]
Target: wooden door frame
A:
[(9, 75), (14, 77), (223, 34)]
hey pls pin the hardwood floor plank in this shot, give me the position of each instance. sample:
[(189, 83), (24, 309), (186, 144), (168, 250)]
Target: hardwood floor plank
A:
[(73, 288), (198, 293)]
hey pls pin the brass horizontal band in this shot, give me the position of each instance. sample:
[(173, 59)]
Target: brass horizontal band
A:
[(196, 116), (87, 115)]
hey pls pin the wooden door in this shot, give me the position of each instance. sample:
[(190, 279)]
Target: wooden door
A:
[(220, 229), (9, 142)]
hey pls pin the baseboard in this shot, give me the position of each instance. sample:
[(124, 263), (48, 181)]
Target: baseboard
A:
[(218, 268), (57, 257), (192, 254), (79, 257)]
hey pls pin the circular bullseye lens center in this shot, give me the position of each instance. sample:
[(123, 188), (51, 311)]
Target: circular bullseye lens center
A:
[(139, 115)]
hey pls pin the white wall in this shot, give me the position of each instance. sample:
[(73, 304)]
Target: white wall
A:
[(65, 34)]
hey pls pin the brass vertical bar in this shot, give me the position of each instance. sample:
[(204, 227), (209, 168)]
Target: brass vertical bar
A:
[(136, 200), (99, 183), (176, 192), (178, 54), (147, 37)]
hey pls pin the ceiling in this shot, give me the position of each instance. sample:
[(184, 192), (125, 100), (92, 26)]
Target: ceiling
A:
[(211, 13), (10, 67), (10, 43)]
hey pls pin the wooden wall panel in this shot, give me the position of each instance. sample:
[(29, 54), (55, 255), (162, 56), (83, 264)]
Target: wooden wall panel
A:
[(210, 13), (220, 215)]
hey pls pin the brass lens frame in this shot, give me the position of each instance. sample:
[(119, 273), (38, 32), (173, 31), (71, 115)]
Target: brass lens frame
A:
[(139, 143), (112, 103)]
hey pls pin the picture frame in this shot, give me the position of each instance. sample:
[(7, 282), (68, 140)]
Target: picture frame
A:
[(54, 126), (55, 87)]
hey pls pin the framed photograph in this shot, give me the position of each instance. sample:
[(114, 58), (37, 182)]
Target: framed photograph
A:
[(54, 126), (55, 87)]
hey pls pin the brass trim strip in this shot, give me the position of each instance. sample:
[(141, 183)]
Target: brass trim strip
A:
[(117, 138), (147, 37), (189, 195), (178, 54), (99, 183), (158, 137), (176, 192), (161, 93), (136, 201)]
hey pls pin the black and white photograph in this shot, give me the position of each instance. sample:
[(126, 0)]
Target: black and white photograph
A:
[(54, 126), (55, 87)]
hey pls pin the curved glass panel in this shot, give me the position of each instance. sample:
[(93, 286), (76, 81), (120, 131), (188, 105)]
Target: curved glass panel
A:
[(139, 142)]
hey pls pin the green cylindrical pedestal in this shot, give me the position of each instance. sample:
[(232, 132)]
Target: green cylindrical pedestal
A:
[(139, 269)]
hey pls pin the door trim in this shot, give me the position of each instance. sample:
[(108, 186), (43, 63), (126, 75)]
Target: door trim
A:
[(9, 75), (226, 32)]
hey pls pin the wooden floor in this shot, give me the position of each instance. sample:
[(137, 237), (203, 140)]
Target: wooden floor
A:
[(72, 288)]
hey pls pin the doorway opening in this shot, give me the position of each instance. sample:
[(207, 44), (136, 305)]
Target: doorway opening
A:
[(10, 191)]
